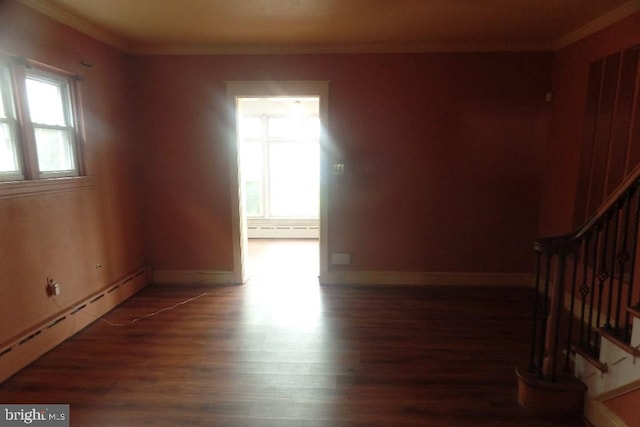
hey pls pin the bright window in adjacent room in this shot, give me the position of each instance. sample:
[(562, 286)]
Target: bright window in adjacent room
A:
[(280, 156), (38, 129)]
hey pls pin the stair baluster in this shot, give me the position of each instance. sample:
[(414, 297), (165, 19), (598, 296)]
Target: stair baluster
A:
[(584, 284)]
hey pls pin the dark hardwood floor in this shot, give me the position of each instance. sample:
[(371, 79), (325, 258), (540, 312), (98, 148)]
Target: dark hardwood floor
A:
[(286, 352)]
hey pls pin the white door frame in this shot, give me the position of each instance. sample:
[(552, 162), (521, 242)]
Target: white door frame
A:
[(243, 89)]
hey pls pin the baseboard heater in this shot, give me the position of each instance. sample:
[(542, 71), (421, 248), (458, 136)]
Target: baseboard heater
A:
[(278, 229), (37, 340)]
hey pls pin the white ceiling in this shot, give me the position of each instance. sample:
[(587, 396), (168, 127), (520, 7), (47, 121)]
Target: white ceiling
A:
[(273, 26)]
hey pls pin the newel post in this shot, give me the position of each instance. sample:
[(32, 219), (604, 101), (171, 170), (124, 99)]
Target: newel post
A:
[(555, 306), (540, 388)]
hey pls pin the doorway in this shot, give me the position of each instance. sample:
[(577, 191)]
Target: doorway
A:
[(279, 152), (278, 139)]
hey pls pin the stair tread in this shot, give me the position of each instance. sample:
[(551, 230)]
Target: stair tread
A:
[(589, 357), (612, 337)]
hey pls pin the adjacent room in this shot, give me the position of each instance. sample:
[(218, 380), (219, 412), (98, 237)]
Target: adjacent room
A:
[(279, 166), (320, 213)]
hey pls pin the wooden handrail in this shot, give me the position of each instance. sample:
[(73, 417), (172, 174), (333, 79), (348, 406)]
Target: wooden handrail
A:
[(596, 262), (560, 243)]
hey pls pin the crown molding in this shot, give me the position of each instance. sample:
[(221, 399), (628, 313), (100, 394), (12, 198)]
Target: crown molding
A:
[(610, 18), (125, 45), (213, 49), (58, 14)]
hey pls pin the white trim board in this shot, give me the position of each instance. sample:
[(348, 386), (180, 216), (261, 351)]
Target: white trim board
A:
[(618, 14), (600, 415), (380, 278), (288, 88), (425, 278), (207, 277)]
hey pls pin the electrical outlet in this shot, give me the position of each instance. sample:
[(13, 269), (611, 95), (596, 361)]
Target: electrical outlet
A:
[(53, 287)]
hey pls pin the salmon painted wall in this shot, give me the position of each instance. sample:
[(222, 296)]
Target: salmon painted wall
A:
[(626, 406), (442, 156), (562, 153), (66, 234)]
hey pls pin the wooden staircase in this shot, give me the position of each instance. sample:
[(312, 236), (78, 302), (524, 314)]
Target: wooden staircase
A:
[(586, 327), (616, 363), (586, 313)]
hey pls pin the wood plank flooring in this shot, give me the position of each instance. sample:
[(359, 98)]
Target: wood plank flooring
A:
[(286, 352)]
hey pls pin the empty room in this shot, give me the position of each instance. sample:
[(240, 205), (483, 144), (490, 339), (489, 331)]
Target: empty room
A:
[(319, 213)]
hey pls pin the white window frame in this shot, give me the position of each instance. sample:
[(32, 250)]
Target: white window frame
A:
[(24, 129), (9, 106)]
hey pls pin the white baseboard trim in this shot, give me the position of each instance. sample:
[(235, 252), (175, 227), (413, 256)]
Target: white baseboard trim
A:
[(600, 415), (208, 277), (40, 338), (283, 233), (425, 278), (627, 388)]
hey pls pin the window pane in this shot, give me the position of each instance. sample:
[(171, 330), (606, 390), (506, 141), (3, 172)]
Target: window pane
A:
[(6, 96), (253, 192), (312, 128), (8, 157), (251, 167), (55, 150), (46, 102), (284, 127), (250, 127), (8, 150), (294, 179)]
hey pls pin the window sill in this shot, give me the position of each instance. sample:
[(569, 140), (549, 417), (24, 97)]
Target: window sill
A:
[(45, 186)]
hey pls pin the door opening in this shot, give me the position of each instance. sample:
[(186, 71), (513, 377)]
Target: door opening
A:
[(277, 165), (279, 152)]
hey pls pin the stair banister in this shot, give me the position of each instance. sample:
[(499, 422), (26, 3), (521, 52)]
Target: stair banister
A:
[(589, 267)]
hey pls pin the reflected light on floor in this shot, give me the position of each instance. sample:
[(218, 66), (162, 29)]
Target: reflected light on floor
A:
[(283, 281)]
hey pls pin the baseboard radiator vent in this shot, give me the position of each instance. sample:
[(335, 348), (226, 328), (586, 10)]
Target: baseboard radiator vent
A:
[(270, 231), (35, 341)]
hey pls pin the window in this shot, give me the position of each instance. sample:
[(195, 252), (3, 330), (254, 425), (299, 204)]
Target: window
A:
[(280, 157), (38, 132), (9, 160)]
